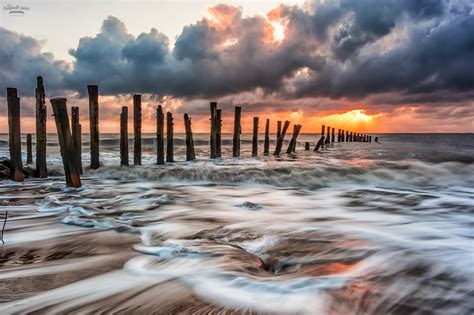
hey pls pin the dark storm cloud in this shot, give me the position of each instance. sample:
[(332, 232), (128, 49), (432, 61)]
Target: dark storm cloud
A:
[(21, 60), (337, 49)]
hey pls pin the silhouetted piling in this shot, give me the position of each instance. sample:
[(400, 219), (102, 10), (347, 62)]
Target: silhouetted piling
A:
[(278, 130), (160, 141), (333, 136), (347, 136), (237, 129), (137, 129), (292, 145), (320, 143), (41, 169), (338, 135), (219, 133), (255, 137), (14, 131), (376, 139), (306, 146), (266, 144), (213, 136), (68, 154), (29, 149), (169, 137), (281, 138), (76, 133), (124, 136), (93, 91), (328, 137), (190, 155)]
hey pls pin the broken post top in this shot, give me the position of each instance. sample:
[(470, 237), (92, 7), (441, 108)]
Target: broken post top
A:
[(58, 100), (11, 92)]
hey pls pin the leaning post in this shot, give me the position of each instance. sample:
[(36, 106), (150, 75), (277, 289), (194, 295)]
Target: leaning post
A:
[(266, 145), (281, 138), (68, 154), (29, 149)]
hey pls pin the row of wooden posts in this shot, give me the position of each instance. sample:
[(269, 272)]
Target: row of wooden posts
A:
[(69, 135)]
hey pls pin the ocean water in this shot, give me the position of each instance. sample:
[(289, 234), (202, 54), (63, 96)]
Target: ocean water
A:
[(357, 228)]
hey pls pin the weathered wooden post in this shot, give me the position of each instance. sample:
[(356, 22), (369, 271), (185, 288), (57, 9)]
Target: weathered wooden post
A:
[(347, 136), (292, 145), (281, 138), (169, 137), (160, 141), (320, 143), (41, 169), (351, 137), (29, 148), (213, 137), (306, 146), (376, 139), (190, 155), (255, 137), (218, 133), (338, 135), (370, 139), (236, 138), (124, 136), (266, 144), (68, 154), (76, 133), (137, 129), (328, 137), (14, 131), (333, 137), (93, 91), (278, 130)]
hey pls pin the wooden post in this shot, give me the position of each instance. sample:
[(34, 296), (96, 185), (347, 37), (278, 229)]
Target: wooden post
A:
[(306, 146), (76, 133), (370, 139), (137, 129), (218, 133), (320, 143), (14, 131), (333, 137), (266, 145), (213, 136), (29, 153), (342, 136), (124, 136), (338, 135), (255, 137), (68, 154), (281, 138), (190, 155), (292, 146), (328, 136), (41, 169), (278, 130), (169, 137), (351, 136), (376, 139), (160, 141), (93, 91), (236, 138)]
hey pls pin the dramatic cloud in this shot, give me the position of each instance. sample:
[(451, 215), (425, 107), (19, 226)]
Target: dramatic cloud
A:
[(393, 51)]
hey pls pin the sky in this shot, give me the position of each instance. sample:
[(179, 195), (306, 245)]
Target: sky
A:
[(364, 65)]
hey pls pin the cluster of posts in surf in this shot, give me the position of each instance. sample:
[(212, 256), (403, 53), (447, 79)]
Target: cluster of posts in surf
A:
[(70, 142)]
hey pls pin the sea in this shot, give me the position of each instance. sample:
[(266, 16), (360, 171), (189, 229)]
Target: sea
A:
[(384, 227)]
